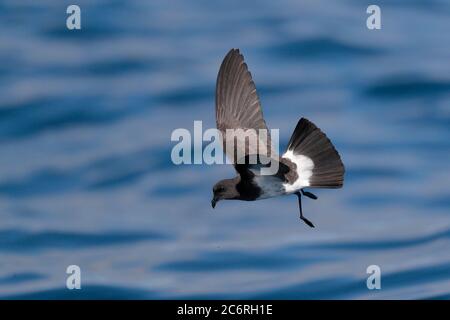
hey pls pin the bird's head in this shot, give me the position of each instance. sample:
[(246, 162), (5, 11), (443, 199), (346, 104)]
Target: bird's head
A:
[(224, 189)]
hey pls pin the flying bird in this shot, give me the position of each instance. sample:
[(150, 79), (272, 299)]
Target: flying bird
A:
[(310, 161)]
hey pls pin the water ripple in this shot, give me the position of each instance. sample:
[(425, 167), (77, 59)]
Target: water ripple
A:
[(66, 96), (102, 292), (388, 244), (320, 47), (17, 278), (407, 87), (108, 172), (216, 261), (22, 241)]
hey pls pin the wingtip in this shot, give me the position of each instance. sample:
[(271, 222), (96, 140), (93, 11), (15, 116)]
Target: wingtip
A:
[(233, 54), (233, 51)]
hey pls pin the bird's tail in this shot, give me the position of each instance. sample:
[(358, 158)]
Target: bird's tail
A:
[(327, 167)]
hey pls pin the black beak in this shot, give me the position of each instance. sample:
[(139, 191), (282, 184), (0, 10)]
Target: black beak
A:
[(213, 203)]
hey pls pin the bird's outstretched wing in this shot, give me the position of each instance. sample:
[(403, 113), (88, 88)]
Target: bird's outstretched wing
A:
[(238, 107)]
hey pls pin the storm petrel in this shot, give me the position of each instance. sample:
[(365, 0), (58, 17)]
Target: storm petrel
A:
[(311, 161)]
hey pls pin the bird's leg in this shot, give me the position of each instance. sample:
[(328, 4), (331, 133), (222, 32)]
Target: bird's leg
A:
[(309, 194), (309, 223)]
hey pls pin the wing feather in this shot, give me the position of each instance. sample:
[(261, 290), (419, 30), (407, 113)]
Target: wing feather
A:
[(238, 107)]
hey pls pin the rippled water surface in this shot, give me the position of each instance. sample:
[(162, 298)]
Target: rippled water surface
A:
[(85, 170)]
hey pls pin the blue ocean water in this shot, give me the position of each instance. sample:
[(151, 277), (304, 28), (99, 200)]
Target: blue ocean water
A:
[(85, 171)]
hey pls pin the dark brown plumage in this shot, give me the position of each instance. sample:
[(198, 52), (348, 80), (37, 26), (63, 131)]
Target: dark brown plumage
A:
[(310, 160), (238, 106)]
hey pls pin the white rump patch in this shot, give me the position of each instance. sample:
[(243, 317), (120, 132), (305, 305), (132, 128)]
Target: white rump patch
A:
[(305, 168)]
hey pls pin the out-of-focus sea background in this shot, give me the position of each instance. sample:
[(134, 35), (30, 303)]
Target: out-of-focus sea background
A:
[(86, 177)]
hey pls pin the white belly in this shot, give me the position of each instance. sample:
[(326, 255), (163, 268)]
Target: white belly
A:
[(270, 186)]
